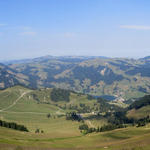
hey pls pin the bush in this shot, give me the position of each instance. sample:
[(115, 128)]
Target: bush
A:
[(37, 131), (83, 127)]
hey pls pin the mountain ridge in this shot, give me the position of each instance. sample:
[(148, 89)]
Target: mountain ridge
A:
[(121, 77)]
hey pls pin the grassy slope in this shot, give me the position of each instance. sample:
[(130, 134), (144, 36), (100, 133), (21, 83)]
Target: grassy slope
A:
[(122, 139), (139, 113), (58, 132), (33, 114), (8, 96)]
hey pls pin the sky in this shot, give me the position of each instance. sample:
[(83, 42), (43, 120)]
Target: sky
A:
[(112, 28)]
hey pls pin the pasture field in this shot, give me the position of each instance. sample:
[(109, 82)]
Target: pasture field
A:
[(139, 113), (17, 105), (121, 139)]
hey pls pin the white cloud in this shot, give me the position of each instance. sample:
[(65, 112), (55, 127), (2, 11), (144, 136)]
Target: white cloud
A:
[(28, 33), (135, 27)]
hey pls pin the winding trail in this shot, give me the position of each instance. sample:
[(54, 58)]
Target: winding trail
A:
[(59, 112), (26, 112), (14, 103)]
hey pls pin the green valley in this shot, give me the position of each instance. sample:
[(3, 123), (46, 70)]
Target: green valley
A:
[(38, 112)]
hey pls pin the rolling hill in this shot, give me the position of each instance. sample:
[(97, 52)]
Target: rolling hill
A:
[(140, 108), (7, 77), (31, 108), (112, 77)]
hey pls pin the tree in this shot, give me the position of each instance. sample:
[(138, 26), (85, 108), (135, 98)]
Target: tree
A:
[(83, 127), (42, 131), (37, 131), (48, 115)]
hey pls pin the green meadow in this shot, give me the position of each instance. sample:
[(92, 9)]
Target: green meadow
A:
[(18, 105), (122, 139)]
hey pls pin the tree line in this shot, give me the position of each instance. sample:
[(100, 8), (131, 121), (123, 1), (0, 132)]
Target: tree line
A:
[(144, 101), (115, 121), (73, 116), (13, 125), (143, 121), (85, 129)]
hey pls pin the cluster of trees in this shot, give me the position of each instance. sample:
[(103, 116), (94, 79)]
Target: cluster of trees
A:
[(35, 97), (7, 78), (73, 116), (141, 89), (60, 95), (81, 108), (110, 127), (144, 70), (84, 109), (119, 118), (143, 121), (104, 106), (54, 116), (144, 101), (93, 74), (13, 125), (90, 97), (85, 129), (100, 106), (39, 131)]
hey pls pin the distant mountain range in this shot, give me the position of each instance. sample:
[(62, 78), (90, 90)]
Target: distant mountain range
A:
[(7, 77), (119, 77)]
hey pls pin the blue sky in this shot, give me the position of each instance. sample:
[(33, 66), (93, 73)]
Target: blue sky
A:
[(113, 28)]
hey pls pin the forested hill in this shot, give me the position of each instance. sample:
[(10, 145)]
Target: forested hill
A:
[(140, 108), (144, 101), (7, 77), (10, 77), (119, 77)]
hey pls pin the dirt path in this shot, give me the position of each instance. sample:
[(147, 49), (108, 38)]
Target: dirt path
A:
[(14, 103), (26, 112), (59, 112), (89, 123)]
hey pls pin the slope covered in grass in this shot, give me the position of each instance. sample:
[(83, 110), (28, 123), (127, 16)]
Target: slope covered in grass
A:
[(122, 139), (140, 108), (31, 107)]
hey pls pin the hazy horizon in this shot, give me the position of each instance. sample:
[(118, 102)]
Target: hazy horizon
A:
[(34, 57), (111, 28)]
